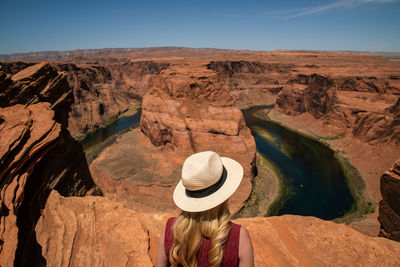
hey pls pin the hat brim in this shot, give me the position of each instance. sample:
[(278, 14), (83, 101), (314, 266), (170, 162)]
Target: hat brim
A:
[(234, 177)]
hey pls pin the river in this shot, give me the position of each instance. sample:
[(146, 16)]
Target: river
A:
[(314, 183), (313, 179)]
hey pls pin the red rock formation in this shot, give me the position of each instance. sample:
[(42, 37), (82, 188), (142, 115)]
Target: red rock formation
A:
[(38, 83), (389, 206), (90, 231), (135, 77), (379, 126), (317, 98), (307, 241), (36, 155), (331, 100), (187, 110), (102, 92), (252, 82), (96, 100), (14, 67)]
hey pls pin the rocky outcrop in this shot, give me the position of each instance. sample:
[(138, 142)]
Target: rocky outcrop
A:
[(132, 171), (307, 241), (93, 231), (135, 77), (37, 83), (389, 206), (317, 98), (360, 104), (37, 154), (96, 99), (14, 67), (379, 127), (188, 110), (365, 84), (102, 92), (252, 82)]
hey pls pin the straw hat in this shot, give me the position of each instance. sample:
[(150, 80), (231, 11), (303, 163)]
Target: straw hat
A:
[(207, 181)]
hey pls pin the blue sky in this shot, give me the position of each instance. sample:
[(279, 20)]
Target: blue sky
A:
[(363, 25)]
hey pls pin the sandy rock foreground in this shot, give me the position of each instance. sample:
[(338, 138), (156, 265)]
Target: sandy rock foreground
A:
[(94, 231)]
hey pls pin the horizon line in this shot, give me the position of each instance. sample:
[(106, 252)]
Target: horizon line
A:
[(186, 47)]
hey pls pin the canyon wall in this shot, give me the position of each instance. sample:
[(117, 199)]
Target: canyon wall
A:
[(37, 83), (252, 82), (102, 92), (342, 90), (37, 154), (389, 206), (185, 111), (83, 96), (188, 110), (367, 107)]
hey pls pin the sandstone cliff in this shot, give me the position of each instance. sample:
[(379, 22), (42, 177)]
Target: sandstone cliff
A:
[(363, 106), (252, 82), (102, 92), (94, 231), (186, 111), (317, 98), (379, 126), (189, 111), (37, 83), (37, 154), (96, 99), (389, 206), (83, 96)]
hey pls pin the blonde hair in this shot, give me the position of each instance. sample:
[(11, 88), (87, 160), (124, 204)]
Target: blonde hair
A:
[(189, 228)]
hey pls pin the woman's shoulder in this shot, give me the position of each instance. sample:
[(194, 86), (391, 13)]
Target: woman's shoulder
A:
[(246, 256)]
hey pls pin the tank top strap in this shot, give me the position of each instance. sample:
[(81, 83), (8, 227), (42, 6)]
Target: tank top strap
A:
[(231, 251), (169, 235)]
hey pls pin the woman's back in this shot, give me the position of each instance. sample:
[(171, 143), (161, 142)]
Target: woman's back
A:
[(231, 248)]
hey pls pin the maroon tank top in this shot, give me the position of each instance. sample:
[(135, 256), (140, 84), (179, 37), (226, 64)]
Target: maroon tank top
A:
[(231, 249)]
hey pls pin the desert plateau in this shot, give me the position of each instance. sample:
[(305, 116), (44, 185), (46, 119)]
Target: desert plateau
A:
[(92, 143)]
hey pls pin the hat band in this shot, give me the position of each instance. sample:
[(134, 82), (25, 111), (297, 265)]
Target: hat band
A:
[(208, 190)]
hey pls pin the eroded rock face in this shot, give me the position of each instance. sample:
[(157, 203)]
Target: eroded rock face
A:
[(14, 67), (317, 98), (307, 241), (96, 99), (252, 82), (359, 104), (36, 155), (389, 206), (379, 127), (102, 92), (93, 231), (37, 83), (135, 76), (188, 110)]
